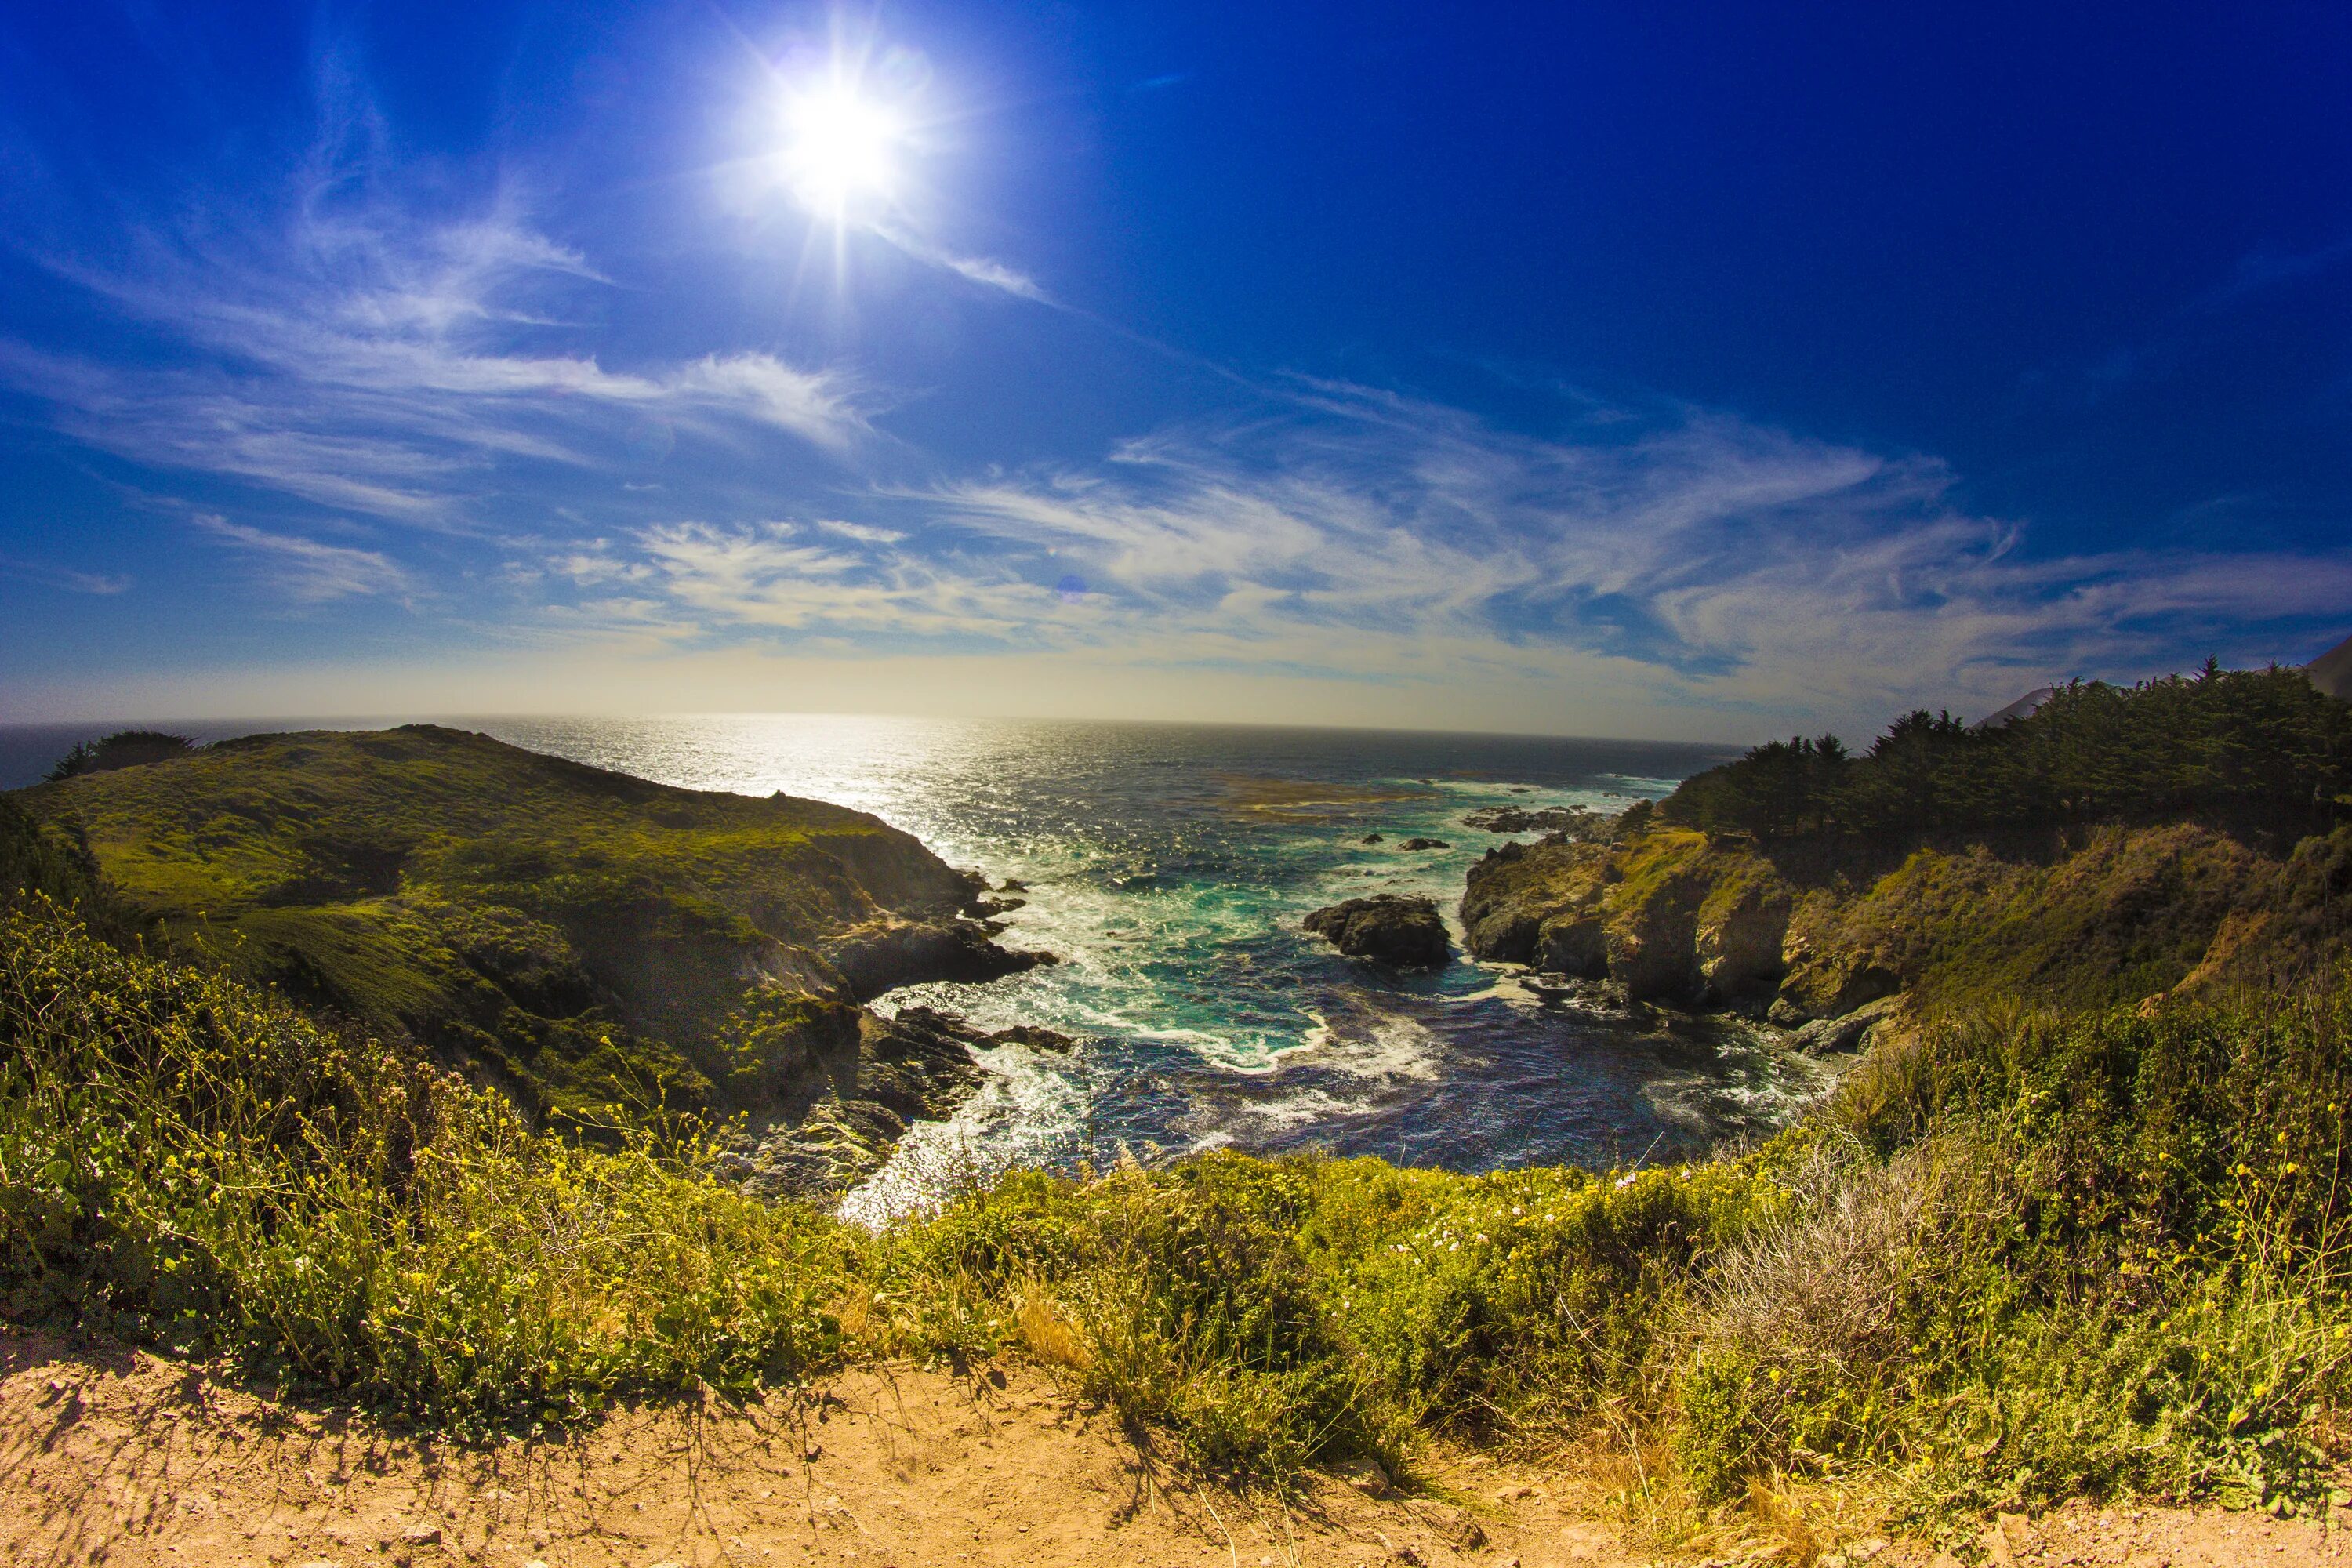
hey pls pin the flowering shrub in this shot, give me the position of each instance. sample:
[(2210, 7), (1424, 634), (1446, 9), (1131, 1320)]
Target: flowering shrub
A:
[(2016, 1258)]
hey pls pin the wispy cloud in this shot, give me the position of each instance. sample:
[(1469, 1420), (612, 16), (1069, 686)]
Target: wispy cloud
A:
[(980, 269), (307, 570), (863, 533), (64, 577), (358, 354), (1669, 555)]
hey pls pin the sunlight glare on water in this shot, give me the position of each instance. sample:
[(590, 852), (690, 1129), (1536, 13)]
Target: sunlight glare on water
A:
[(1169, 866)]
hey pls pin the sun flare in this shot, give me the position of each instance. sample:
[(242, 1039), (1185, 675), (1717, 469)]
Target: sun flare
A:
[(844, 147)]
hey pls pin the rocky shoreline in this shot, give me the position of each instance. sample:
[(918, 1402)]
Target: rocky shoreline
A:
[(1661, 920), (877, 1077), (861, 1080), (576, 937)]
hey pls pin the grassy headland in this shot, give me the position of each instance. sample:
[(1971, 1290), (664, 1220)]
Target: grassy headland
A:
[(585, 937), (2024, 1252), (2120, 844)]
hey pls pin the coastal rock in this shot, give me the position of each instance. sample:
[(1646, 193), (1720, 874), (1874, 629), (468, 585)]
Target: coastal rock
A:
[(1739, 941), (1660, 916), (878, 954), (837, 1145), (1404, 931), (1575, 944), (1651, 948), (1425, 844), (1828, 983), (1374, 838), (1034, 1038), (1851, 1032), (1518, 891), (919, 1065), (1520, 819)]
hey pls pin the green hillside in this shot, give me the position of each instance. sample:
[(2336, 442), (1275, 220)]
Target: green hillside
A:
[(585, 936), (2016, 1260), (2189, 835)]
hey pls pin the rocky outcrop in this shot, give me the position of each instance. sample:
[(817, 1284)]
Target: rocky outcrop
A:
[(1520, 819), (1515, 892), (1806, 932), (1738, 940), (1662, 917), (891, 1073), (882, 954), (1575, 944), (1824, 982), (1425, 844), (1846, 1032), (1387, 928)]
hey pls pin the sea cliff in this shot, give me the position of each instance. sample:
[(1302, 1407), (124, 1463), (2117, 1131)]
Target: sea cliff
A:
[(585, 940), (2183, 838), (2107, 914)]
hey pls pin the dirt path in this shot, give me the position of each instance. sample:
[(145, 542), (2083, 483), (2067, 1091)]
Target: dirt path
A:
[(113, 1457)]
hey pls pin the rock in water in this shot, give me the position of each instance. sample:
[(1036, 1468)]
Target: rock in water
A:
[(919, 1065), (1519, 819), (882, 954), (1404, 931), (1427, 844)]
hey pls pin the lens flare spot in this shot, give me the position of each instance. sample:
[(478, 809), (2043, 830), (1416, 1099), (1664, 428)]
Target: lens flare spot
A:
[(843, 146)]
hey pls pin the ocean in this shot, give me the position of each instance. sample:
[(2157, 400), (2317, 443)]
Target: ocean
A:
[(1168, 868)]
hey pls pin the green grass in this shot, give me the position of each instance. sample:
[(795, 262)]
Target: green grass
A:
[(583, 936), (2082, 919), (2019, 1259)]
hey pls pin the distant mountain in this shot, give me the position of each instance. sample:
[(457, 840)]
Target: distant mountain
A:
[(2024, 706), (2332, 670)]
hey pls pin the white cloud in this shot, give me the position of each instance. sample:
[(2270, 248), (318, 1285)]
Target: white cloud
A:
[(367, 359), (1683, 558), (306, 569), (65, 577), (864, 533)]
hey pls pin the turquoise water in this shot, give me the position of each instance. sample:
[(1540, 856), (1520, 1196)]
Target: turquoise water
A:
[(1172, 891)]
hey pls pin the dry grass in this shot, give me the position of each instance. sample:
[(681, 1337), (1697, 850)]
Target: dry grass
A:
[(1823, 1291), (1045, 1331)]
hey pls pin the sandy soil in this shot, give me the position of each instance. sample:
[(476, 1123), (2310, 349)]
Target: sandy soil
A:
[(115, 1457)]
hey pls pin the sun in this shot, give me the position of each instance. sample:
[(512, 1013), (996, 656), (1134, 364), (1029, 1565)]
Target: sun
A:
[(843, 147)]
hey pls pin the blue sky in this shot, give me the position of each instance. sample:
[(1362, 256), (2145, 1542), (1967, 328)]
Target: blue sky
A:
[(1667, 369)]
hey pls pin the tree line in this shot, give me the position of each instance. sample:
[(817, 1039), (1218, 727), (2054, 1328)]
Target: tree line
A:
[(2262, 744)]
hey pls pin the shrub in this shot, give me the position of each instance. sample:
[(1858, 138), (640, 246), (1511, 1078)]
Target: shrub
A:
[(2019, 1257), (185, 1160), (2103, 1254)]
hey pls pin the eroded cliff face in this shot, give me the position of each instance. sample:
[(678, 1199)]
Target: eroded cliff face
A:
[(2100, 916), (580, 937), (1667, 915)]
